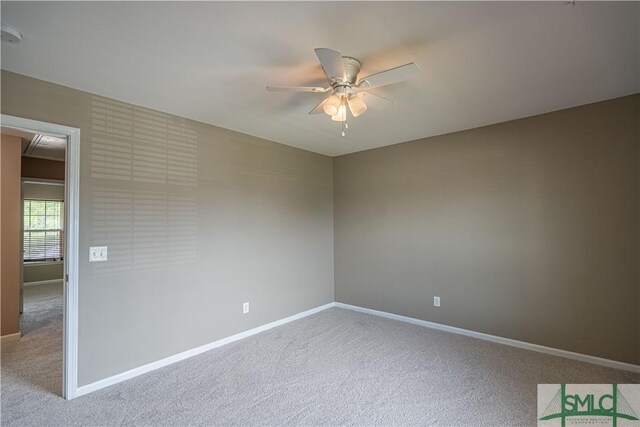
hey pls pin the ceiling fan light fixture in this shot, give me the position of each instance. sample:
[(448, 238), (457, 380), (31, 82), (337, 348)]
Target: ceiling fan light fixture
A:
[(332, 105), (357, 106), (342, 73), (341, 115)]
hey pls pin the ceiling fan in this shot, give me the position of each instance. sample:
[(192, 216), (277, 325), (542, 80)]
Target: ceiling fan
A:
[(347, 90)]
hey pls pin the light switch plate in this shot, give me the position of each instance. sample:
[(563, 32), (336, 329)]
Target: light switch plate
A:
[(97, 253)]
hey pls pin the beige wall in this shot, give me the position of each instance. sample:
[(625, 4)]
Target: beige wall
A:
[(198, 220), (10, 233), (40, 272), (37, 191), (33, 167), (527, 229)]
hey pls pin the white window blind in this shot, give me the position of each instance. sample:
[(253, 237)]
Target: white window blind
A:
[(43, 230)]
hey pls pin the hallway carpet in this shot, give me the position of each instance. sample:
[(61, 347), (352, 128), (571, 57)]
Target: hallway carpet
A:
[(336, 367)]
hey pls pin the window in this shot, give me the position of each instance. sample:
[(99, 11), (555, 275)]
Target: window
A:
[(43, 230)]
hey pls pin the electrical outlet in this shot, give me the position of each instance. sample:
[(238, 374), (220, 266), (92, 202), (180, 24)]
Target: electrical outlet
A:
[(245, 308), (436, 301), (97, 253)]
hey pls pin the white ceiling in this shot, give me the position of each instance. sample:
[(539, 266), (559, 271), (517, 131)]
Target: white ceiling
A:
[(45, 147), (40, 146), (481, 62)]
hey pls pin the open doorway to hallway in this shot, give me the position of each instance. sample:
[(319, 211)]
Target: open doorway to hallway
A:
[(58, 358), (33, 236)]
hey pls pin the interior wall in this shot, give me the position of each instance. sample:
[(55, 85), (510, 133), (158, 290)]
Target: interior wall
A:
[(10, 233), (527, 229), (42, 271), (197, 220), (33, 167), (38, 191)]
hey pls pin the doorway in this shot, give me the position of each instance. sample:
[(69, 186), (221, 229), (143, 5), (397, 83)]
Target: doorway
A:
[(49, 207)]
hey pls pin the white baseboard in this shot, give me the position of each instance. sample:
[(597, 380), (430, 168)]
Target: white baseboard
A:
[(10, 337), (42, 282), (193, 352), (198, 350), (500, 340)]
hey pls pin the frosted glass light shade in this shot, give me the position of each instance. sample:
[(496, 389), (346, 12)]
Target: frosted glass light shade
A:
[(357, 106), (341, 115), (332, 105)]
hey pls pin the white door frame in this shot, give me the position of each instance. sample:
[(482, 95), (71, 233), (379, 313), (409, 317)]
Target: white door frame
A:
[(71, 247)]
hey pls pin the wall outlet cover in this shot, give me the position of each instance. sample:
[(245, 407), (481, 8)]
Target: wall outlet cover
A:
[(245, 308), (436, 301)]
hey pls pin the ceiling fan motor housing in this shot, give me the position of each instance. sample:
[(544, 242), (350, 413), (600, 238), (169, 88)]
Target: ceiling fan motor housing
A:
[(351, 69)]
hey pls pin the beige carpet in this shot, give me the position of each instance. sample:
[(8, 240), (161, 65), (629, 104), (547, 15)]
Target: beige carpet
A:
[(334, 368)]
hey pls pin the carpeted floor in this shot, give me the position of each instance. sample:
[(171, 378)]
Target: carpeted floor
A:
[(337, 367)]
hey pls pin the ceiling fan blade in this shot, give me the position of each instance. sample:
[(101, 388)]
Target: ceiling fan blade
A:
[(297, 89), (318, 108), (391, 76), (332, 65), (375, 101)]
